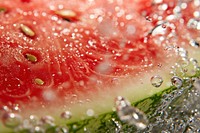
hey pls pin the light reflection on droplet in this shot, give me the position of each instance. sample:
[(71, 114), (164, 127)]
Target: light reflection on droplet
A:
[(90, 112), (176, 81), (62, 130), (195, 44), (11, 120), (130, 114), (156, 81), (66, 115)]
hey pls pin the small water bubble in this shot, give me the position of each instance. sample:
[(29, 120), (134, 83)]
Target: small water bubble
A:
[(182, 52), (49, 120), (61, 130), (117, 125), (197, 84), (130, 114), (159, 29), (194, 43), (11, 120), (148, 18), (38, 129), (184, 62), (193, 24), (176, 81), (66, 115), (3, 110), (196, 14), (90, 112), (194, 61), (33, 120), (157, 1), (16, 108), (156, 81), (115, 81), (163, 7)]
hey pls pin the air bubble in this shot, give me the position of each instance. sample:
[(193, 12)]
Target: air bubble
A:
[(193, 43), (159, 29), (184, 62), (197, 3), (129, 114), (61, 130), (38, 129), (115, 81), (11, 120), (194, 61), (90, 112), (193, 24), (156, 81), (3, 110), (176, 81), (182, 52), (48, 120), (196, 14), (157, 1), (33, 120), (148, 18), (197, 84), (66, 115)]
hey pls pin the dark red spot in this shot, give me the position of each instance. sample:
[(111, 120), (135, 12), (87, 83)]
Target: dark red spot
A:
[(26, 1)]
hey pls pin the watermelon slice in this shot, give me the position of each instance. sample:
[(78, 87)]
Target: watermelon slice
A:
[(65, 62)]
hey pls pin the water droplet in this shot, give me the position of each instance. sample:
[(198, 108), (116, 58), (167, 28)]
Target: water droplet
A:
[(90, 112), (194, 61), (193, 43), (196, 14), (38, 129), (157, 1), (184, 62), (156, 81), (182, 52), (197, 84), (193, 24), (159, 29), (33, 120), (115, 81), (66, 115), (148, 18), (49, 120), (11, 120), (176, 81), (130, 114), (61, 130)]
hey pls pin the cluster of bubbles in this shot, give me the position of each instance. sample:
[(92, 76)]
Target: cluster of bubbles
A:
[(33, 124), (129, 114), (178, 111)]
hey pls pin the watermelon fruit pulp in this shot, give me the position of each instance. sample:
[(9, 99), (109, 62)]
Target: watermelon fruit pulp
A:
[(52, 62)]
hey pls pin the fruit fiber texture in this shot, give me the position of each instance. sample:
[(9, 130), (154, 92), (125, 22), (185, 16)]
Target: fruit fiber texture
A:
[(78, 56)]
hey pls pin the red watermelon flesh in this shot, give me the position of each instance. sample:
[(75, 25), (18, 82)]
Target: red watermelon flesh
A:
[(99, 50)]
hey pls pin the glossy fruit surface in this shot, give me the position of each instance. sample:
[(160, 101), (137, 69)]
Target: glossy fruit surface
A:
[(62, 55)]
